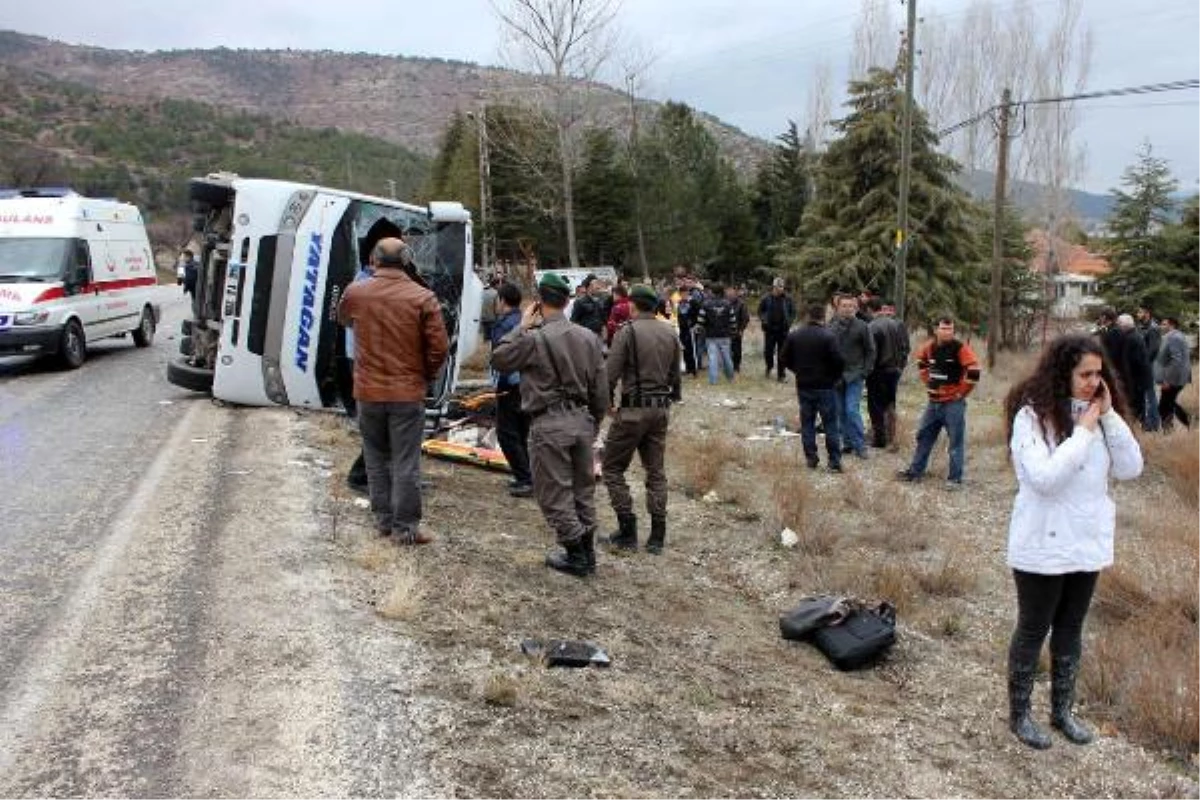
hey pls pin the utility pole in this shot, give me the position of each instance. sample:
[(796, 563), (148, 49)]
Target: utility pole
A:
[(485, 191), (902, 237), (391, 184), (994, 321), (637, 187)]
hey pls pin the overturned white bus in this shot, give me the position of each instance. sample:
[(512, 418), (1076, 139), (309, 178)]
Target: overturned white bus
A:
[(276, 257)]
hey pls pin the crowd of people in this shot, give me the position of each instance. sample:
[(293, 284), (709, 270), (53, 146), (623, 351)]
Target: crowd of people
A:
[(576, 356)]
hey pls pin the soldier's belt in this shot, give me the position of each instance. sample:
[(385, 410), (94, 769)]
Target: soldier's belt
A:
[(562, 405), (646, 402)]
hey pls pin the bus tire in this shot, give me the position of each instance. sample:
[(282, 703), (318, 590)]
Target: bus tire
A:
[(184, 375), (143, 334), (72, 347)]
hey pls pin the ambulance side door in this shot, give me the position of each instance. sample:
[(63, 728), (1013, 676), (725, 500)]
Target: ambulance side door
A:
[(81, 296)]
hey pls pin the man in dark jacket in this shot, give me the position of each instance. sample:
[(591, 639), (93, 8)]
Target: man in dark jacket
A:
[(858, 352), (512, 424), (718, 319), (891, 354), (742, 317), (1135, 368), (776, 314), (811, 353), (1148, 327), (591, 309)]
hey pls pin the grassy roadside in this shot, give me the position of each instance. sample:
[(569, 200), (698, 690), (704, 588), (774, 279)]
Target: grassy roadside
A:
[(704, 699)]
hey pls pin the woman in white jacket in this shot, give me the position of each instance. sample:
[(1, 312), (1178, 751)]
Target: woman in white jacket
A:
[(1066, 435)]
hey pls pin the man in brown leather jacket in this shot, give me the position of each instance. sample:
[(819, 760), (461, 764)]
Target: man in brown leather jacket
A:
[(564, 390), (400, 345)]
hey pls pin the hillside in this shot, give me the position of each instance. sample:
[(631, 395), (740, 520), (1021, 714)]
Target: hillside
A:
[(145, 149), (399, 99)]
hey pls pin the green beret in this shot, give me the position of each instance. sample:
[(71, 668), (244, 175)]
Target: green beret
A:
[(554, 282), (641, 291)]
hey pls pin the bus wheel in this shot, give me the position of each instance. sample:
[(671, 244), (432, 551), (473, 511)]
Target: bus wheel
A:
[(143, 334), (184, 375), (72, 348)]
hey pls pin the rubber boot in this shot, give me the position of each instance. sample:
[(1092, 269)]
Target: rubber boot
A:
[(658, 535), (1020, 690), (573, 560), (626, 537), (1063, 671), (889, 427), (588, 540)]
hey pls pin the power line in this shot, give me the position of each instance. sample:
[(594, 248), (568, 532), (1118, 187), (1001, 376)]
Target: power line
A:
[(1150, 88)]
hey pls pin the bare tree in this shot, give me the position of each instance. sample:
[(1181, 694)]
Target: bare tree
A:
[(566, 42), (876, 39), (820, 106)]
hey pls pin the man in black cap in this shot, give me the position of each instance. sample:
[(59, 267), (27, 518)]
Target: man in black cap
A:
[(564, 390), (644, 361)]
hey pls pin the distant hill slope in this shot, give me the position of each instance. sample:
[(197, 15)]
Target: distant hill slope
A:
[(399, 99), (54, 132), (1092, 209)]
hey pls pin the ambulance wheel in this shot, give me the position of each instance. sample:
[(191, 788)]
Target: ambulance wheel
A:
[(72, 348), (143, 334), (184, 375)]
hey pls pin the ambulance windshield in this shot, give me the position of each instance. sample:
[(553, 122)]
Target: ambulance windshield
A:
[(33, 259)]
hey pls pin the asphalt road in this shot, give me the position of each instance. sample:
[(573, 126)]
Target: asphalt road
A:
[(170, 617)]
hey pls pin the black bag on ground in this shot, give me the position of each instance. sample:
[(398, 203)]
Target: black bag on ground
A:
[(810, 614), (859, 639)]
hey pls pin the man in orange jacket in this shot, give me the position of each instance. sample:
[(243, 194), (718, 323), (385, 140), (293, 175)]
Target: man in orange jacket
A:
[(950, 371)]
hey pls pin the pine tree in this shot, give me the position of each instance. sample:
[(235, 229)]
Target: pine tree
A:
[(1148, 265), (604, 201), (782, 187), (847, 234)]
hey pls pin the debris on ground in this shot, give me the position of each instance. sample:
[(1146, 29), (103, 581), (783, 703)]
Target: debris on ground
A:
[(565, 653)]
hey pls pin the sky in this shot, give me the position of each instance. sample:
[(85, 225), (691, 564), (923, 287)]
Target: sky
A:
[(749, 62)]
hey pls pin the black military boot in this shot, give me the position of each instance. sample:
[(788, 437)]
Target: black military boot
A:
[(588, 540), (658, 535), (1020, 690), (626, 537), (1063, 671), (574, 559)]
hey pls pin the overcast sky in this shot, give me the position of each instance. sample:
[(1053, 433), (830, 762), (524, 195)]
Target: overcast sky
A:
[(749, 62)]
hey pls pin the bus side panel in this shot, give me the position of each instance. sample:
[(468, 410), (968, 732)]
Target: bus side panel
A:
[(307, 301)]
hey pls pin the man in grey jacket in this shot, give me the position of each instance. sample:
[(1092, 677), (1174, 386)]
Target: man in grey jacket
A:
[(858, 352), (1173, 367)]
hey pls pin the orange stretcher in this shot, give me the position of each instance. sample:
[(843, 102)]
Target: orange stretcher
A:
[(465, 454)]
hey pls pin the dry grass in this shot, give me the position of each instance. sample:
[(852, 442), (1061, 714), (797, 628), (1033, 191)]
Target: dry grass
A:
[(405, 598), (705, 460), (501, 690), (374, 555), (1178, 457), (704, 700)]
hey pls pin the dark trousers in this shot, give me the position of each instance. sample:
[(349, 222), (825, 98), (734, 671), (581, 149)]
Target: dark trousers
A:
[(1169, 409), (1054, 604), (392, 435), (824, 403), (642, 431), (688, 345), (773, 339), (881, 404), (735, 348), (512, 433), (564, 482)]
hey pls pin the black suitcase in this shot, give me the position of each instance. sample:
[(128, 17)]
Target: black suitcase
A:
[(859, 639)]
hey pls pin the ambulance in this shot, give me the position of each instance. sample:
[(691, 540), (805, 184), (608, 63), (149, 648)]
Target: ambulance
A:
[(73, 270), (274, 260)]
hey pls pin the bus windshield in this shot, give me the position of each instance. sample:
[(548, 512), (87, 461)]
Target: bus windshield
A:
[(33, 258)]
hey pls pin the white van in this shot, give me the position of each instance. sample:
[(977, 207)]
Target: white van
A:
[(275, 259), (73, 270)]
